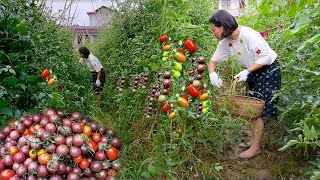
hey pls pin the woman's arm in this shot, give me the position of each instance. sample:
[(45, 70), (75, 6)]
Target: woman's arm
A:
[(212, 66), (255, 67), (98, 74)]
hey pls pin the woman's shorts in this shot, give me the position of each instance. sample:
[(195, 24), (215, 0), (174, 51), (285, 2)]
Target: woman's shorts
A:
[(98, 89), (263, 83)]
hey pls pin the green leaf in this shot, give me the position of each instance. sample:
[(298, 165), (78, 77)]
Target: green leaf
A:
[(3, 103), (6, 111), (21, 27), (314, 40), (12, 81), (3, 91), (155, 67), (313, 134), (153, 170), (146, 174)]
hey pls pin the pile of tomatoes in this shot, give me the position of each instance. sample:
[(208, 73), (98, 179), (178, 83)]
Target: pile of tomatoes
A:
[(54, 145)]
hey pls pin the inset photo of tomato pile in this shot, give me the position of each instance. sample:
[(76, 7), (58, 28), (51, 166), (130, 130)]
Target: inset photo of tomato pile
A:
[(54, 144)]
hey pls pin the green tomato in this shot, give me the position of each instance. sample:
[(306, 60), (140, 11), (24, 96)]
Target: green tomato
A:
[(196, 83), (177, 66), (175, 73), (162, 98), (165, 54), (205, 110), (164, 59), (205, 104)]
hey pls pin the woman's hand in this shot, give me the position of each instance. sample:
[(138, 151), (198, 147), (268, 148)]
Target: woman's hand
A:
[(243, 75), (215, 79), (98, 83)]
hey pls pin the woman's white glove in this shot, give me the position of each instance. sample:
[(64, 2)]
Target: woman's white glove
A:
[(98, 83), (243, 75), (215, 79)]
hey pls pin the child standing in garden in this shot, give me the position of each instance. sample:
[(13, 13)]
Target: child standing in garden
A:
[(261, 69), (96, 68)]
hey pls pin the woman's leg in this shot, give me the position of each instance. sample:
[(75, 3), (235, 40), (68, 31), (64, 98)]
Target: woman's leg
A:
[(257, 133), (98, 96)]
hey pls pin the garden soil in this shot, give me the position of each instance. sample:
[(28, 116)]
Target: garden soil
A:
[(270, 164)]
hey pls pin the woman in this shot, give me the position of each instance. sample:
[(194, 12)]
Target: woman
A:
[(261, 70), (94, 65)]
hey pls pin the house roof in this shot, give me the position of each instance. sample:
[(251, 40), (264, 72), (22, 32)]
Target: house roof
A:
[(86, 29), (102, 7)]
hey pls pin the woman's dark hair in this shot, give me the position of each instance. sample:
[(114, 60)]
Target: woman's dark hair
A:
[(85, 51), (225, 19)]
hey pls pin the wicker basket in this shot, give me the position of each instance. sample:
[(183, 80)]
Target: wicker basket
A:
[(240, 106)]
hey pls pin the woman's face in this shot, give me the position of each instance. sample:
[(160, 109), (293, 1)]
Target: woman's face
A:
[(217, 32), (82, 55)]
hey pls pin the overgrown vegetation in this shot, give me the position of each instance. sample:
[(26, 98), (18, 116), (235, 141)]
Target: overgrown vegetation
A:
[(157, 147), (30, 42)]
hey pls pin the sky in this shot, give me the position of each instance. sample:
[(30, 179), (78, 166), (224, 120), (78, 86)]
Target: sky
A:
[(78, 8)]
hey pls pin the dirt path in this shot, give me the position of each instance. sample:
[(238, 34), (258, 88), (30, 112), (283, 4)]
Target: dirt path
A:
[(270, 164)]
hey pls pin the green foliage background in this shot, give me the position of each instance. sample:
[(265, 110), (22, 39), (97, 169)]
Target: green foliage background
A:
[(30, 42)]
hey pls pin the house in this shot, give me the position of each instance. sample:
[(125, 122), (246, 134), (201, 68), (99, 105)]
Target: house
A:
[(97, 20), (234, 7)]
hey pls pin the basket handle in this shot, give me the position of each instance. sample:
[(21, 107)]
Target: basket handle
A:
[(233, 86)]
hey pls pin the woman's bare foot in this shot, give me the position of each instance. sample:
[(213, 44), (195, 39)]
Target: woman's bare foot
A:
[(250, 153), (245, 145)]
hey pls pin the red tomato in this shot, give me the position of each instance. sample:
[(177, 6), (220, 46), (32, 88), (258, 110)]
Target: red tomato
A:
[(87, 130), (163, 38), (84, 163), (112, 172), (200, 86), (13, 150), (112, 153), (190, 45), (77, 159), (44, 158), (96, 137), (93, 146), (45, 73), (182, 51), (184, 96), (165, 107), (6, 174), (193, 91)]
